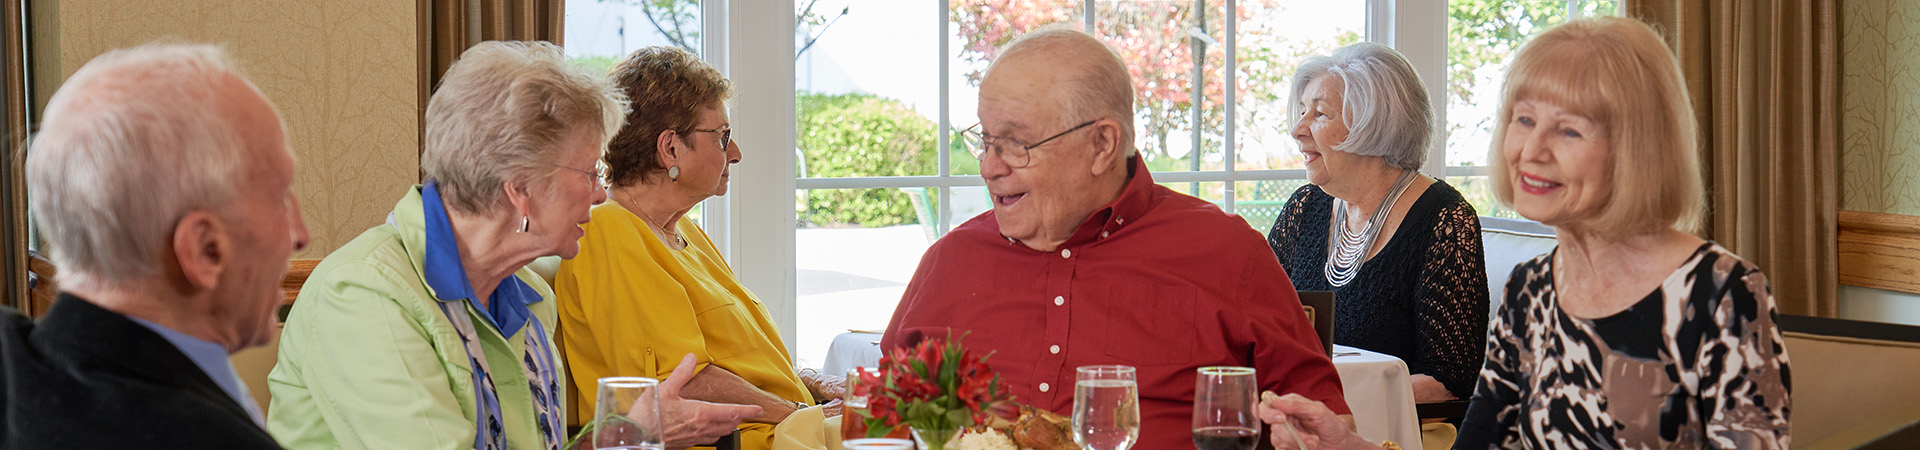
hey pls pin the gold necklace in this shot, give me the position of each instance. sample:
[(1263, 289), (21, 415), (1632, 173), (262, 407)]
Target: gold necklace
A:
[(656, 224)]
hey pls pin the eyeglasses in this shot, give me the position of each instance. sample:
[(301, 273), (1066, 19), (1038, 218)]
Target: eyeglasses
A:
[(599, 174), (1013, 151), (726, 136)]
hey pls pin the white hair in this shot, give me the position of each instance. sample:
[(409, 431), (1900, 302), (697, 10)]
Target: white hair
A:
[(1100, 85), (133, 141), (1386, 110), (500, 114)]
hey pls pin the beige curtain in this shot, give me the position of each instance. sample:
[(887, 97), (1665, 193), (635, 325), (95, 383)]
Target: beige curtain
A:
[(449, 27), (1765, 79), (13, 190)]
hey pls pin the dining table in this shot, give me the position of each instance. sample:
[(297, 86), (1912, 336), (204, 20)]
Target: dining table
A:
[(1377, 387)]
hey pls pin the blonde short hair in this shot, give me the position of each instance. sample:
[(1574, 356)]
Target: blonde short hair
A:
[(500, 113), (1618, 73), (1100, 86), (133, 141)]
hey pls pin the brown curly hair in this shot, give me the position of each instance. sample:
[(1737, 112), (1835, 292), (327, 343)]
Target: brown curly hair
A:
[(667, 87)]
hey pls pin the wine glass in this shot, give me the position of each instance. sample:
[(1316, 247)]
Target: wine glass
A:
[(1106, 407), (1223, 399), (628, 413)]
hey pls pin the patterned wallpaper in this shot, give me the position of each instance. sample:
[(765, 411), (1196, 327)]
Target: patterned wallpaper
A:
[(342, 72), (1880, 100)]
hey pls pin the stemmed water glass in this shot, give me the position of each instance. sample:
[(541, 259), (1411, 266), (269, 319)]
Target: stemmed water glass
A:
[(628, 412), (1106, 407), (1223, 402)]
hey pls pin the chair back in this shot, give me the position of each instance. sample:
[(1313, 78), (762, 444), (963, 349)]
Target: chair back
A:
[(1852, 380), (1507, 243), (1319, 307)]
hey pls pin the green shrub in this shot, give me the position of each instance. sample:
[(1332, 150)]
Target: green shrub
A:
[(862, 135)]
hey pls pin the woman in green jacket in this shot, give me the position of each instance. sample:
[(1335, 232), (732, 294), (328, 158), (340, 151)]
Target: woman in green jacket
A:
[(428, 332)]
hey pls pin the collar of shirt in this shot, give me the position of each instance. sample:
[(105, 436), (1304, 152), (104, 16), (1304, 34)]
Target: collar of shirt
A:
[(506, 306), (1134, 201), (212, 359)]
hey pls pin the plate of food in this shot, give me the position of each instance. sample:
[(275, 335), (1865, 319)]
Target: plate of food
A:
[(1034, 429)]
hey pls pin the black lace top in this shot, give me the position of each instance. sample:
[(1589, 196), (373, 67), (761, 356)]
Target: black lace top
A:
[(1422, 299)]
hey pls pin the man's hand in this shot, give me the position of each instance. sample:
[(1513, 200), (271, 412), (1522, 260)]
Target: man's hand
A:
[(823, 387), (1317, 426), (693, 422)]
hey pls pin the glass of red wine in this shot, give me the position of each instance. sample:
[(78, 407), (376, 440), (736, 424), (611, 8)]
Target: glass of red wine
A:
[(1223, 402)]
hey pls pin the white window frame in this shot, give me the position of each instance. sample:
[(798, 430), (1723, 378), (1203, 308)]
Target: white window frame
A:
[(753, 226)]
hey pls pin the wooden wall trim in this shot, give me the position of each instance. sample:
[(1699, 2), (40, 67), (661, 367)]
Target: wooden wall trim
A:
[(1880, 251), (297, 272)]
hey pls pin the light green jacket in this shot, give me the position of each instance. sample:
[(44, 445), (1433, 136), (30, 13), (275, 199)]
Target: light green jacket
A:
[(368, 361)]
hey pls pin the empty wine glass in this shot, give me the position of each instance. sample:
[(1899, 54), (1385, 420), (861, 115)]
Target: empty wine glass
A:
[(1223, 402), (1106, 407), (628, 415)]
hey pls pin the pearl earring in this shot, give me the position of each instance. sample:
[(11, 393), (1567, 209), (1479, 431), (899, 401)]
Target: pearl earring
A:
[(673, 173)]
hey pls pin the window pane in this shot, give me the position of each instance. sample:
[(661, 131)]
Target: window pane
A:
[(601, 33), (1260, 202), (1479, 192), (1274, 36), (1176, 52), (852, 266), (867, 86)]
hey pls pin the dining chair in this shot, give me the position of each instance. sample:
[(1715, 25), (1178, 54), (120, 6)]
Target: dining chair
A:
[(1319, 307)]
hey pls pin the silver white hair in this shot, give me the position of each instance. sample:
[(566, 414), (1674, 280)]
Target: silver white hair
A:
[(133, 141), (1387, 111), (500, 113)]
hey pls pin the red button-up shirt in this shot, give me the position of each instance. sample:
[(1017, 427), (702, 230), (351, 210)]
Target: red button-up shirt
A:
[(1158, 280)]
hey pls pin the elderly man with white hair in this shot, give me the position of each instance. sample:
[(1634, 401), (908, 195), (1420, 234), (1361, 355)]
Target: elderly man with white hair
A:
[(1085, 261), (164, 183)]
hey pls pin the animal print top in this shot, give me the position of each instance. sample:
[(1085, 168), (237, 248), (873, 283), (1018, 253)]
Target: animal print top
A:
[(1698, 363)]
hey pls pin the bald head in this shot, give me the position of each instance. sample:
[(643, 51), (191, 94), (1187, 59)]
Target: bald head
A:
[(129, 144), (1082, 77)]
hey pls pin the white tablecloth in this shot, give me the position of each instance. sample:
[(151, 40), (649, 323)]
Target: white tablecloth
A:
[(1376, 385), (850, 350), (1380, 395)]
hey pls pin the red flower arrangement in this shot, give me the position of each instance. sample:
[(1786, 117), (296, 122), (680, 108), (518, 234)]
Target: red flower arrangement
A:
[(936, 385)]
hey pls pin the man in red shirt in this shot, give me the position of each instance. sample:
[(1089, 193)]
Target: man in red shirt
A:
[(1084, 260)]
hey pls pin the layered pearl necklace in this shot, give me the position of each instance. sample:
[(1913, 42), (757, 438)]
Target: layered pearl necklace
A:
[(1347, 250)]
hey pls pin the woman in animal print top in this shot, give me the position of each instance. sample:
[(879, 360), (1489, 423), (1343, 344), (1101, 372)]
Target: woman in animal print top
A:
[(1633, 333)]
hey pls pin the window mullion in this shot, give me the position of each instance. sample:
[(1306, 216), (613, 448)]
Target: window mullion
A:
[(944, 215), (1229, 150)]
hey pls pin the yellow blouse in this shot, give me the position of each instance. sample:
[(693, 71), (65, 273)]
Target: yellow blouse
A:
[(631, 306)]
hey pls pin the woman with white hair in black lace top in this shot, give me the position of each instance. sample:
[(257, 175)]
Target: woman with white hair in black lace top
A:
[(1399, 249)]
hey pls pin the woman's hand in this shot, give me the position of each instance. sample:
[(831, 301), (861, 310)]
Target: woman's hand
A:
[(1318, 427), (693, 422), (1426, 389)]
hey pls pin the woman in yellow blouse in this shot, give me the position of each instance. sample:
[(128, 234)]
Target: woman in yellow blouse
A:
[(648, 286)]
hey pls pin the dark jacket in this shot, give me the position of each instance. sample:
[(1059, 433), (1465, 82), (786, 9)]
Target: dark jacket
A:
[(85, 378)]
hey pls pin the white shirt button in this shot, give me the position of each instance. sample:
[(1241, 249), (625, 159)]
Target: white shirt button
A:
[(1059, 300), (1044, 387), (1066, 253), (1103, 235), (1055, 349)]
